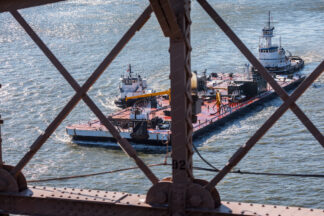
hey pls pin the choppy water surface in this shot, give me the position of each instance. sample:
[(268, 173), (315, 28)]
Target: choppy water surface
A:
[(82, 32)]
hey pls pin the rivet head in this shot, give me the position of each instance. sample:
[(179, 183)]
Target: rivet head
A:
[(311, 209), (251, 204), (195, 200)]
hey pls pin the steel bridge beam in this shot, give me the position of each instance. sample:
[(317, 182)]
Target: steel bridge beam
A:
[(49, 201), (12, 5), (181, 114)]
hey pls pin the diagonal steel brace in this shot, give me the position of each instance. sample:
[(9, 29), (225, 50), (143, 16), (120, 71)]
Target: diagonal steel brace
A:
[(82, 92)]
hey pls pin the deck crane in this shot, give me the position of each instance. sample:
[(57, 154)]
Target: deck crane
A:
[(167, 92)]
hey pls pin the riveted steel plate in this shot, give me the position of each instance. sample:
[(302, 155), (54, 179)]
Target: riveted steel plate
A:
[(71, 201)]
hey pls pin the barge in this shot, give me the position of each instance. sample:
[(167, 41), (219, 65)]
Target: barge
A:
[(145, 119)]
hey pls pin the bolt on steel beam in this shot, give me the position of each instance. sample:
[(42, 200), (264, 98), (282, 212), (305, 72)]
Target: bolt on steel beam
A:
[(82, 92)]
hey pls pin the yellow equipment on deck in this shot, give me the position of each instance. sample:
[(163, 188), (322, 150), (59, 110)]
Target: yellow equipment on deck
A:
[(218, 98), (168, 92)]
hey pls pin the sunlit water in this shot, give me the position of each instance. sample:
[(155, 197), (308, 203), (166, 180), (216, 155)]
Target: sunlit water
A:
[(81, 33)]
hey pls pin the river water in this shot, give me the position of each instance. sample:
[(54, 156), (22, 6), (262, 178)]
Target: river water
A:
[(82, 32)]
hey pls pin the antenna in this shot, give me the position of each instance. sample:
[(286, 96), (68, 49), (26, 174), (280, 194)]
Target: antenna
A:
[(269, 21), (280, 42)]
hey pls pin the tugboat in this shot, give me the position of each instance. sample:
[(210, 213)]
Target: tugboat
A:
[(273, 57), (131, 85)]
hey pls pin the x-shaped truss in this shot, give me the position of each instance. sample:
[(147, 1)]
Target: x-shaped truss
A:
[(289, 101), (81, 94)]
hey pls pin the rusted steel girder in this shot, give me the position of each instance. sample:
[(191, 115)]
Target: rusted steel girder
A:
[(181, 111), (11, 5), (281, 92), (49, 201), (81, 92)]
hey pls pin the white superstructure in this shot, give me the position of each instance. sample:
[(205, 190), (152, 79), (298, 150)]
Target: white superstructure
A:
[(272, 57), (131, 85)]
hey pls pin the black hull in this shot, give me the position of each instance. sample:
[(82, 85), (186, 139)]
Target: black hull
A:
[(122, 103)]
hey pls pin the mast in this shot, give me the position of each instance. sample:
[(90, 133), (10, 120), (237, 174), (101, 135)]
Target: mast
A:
[(267, 32), (130, 70), (269, 21)]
